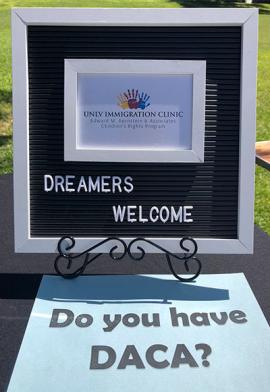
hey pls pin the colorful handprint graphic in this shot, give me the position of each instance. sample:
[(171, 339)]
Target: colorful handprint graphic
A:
[(143, 101), (123, 101), (132, 99)]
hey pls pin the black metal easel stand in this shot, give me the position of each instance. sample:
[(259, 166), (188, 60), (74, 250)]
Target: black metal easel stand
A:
[(70, 265)]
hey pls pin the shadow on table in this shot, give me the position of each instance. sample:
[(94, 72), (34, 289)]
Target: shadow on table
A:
[(19, 286), (102, 289)]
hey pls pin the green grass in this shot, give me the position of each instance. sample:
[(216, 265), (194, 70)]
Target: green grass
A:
[(262, 180), (5, 93), (262, 193), (263, 85)]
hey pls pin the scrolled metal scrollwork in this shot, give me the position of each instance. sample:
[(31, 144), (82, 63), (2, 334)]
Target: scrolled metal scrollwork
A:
[(187, 258), (70, 265), (65, 260)]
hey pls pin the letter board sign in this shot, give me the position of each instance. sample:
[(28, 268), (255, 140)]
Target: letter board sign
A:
[(134, 122)]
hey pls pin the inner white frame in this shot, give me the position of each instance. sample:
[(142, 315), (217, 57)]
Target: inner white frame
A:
[(74, 67), (247, 19)]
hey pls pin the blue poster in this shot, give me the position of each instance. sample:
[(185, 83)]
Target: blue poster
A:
[(141, 333)]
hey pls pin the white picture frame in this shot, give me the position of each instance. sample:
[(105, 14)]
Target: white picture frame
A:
[(247, 19), (74, 67)]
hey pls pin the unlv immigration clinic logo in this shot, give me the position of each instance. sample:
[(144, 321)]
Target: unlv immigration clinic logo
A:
[(132, 99)]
